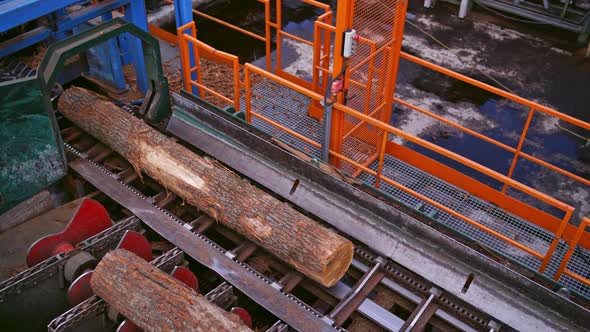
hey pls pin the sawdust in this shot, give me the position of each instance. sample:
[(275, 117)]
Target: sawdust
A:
[(34, 59), (216, 76)]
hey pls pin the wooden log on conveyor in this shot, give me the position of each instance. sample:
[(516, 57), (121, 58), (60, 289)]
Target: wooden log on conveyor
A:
[(315, 251), (154, 300)]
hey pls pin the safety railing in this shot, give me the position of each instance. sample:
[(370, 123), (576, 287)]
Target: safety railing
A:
[(267, 35), (323, 42), (533, 108), (323, 30), (385, 130), (368, 122), (188, 43), (567, 259), (320, 59)]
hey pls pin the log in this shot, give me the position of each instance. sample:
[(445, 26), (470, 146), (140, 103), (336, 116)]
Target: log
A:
[(154, 300), (315, 251)]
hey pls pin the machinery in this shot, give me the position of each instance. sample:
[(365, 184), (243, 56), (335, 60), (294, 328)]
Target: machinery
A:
[(435, 248), (37, 158)]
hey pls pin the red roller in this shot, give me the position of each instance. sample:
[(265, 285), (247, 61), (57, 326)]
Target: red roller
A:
[(132, 241), (90, 219), (243, 314)]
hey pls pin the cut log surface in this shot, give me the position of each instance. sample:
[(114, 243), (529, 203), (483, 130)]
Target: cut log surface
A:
[(154, 300), (317, 252)]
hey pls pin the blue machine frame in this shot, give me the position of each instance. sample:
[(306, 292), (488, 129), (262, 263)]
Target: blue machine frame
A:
[(14, 13), (183, 11)]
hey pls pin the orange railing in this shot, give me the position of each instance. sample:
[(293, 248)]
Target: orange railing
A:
[(266, 38), (533, 107), (201, 49), (320, 59), (322, 22), (322, 33), (385, 131), (361, 122), (563, 270)]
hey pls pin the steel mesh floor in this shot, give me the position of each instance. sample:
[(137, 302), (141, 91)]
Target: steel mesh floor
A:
[(289, 109), (485, 213)]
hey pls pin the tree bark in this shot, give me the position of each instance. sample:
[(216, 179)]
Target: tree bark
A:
[(315, 251), (154, 300)]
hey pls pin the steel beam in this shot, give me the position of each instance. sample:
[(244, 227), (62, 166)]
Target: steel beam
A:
[(17, 12)]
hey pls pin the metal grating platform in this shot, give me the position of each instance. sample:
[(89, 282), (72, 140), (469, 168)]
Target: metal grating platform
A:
[(484, 212), (170, 57), (287, 108)]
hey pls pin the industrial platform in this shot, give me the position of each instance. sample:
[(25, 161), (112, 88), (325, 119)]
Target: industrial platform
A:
[(309, 127)]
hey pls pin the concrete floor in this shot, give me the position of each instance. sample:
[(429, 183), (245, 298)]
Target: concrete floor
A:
[(15, 242)]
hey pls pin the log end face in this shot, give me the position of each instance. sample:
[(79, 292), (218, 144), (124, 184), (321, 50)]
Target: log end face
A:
[(337, 265)]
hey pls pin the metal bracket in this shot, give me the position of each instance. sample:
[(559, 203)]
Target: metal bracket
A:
[(157, 102)]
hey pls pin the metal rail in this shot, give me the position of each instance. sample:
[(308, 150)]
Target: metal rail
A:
[(351, 299), (369, 220), (293, 312)]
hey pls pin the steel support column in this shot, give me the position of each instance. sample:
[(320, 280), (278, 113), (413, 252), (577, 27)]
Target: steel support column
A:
[(135, 13)]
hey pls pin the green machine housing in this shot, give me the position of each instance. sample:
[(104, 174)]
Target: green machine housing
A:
[(32, 154)]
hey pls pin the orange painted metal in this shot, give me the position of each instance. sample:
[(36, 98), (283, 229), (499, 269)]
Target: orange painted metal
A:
[(162, 34), (282, 81), (455, 125), (229, 25), (267, 32), (478, 189), (368, 121), (519, 147), (580, 234), (464, 218), (208, 52), (283, 128), (386, 129), (499, 92), (456, 157)]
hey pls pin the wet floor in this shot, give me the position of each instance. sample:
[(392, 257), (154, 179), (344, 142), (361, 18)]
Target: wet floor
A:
[(536, 62)]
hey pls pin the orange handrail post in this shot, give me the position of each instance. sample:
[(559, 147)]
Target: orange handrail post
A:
[(381, 158), (184, 56), (572, 246), (248, 88), (267, 33), (315, 73), (519, 147), (369, 87), (556, 239), (394, 58), (327, 41), (278, 26)]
